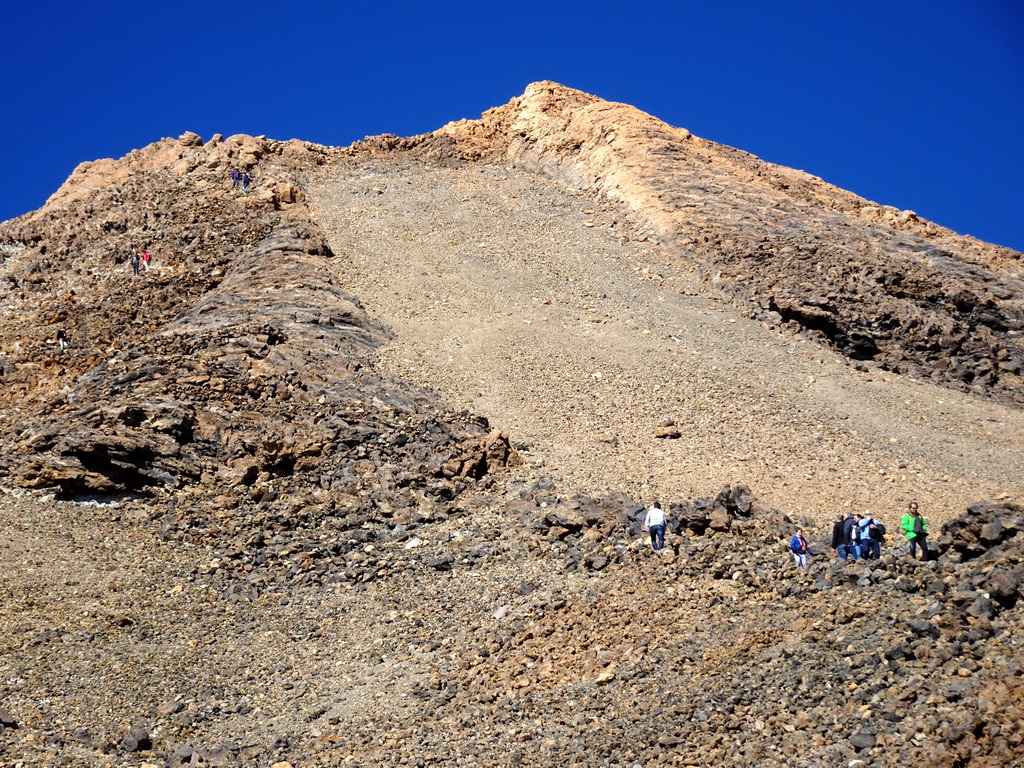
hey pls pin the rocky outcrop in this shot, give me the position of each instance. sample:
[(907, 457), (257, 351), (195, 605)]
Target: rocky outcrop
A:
[(67, 264), (234, 359), (261, 378)]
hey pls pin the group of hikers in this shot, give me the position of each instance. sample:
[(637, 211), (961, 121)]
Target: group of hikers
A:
[(860, 536), (854, 536), (139, 259), (240, 179)]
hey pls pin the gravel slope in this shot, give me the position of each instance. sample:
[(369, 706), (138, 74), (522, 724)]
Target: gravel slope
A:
[(536, 308)]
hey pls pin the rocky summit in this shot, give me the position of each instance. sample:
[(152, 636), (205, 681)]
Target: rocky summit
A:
[(353, 470)]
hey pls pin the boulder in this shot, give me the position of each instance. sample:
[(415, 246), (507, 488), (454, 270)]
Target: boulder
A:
[(190, 139)]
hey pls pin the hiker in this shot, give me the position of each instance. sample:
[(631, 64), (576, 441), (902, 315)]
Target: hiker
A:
[(245, 182), (842, 538), (135, 263), (236, 178), (654, 524), (62, 339), (916, 528), (837, 538), (853, 537), (145, 260), (872, 534), (798, 546)]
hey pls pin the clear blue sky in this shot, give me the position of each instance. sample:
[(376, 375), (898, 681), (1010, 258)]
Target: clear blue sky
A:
[(917, 104)]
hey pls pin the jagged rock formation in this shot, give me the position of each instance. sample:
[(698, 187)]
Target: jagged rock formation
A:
[(261, 549), (240, 362)]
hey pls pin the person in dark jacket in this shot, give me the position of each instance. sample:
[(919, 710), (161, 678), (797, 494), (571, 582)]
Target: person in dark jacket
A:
[(842, 538), (837, 538), (852, 531)]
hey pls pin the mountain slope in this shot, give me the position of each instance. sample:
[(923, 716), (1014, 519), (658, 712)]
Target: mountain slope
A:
[(571, 318), (355, 474)]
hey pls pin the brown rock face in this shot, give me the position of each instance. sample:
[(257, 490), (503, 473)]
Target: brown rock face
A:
[(235, 357)]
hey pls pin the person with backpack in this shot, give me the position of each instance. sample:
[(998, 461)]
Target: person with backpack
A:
[(654, 523), (851, 535), (135, 261), (246, 180), (798, 546), (872, 534), (916, 528), (145, 260)]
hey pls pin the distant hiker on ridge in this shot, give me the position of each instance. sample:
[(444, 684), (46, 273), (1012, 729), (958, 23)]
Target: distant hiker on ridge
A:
[(654, 523), (236, 178), (145, 260), (245, 182), (135, 263)]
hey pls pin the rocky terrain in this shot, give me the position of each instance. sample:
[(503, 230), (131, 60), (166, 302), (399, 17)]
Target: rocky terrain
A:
[(354, 473)]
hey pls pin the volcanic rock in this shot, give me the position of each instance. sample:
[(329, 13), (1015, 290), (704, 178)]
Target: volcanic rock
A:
[(244, 527)]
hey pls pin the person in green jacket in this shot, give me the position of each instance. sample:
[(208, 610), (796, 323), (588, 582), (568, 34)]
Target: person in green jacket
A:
[(916, 528)]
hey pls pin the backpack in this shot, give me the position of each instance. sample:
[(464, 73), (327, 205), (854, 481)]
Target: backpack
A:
[(878, 532)]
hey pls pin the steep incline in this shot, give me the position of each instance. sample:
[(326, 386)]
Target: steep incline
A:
[(878, 284), (544, 311)]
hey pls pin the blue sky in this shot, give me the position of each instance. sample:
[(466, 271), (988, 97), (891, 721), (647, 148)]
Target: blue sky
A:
[(917, 104)]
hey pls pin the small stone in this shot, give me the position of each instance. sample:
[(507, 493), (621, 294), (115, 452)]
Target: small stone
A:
[(136, 740), (863, 740)]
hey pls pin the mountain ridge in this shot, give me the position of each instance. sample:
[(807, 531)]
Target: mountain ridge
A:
[(355, 473)]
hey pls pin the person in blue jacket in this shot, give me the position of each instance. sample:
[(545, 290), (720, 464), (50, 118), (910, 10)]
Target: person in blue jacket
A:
[(801, 551)]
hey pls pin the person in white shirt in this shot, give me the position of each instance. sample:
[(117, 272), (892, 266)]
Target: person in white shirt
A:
[(654, 524)]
